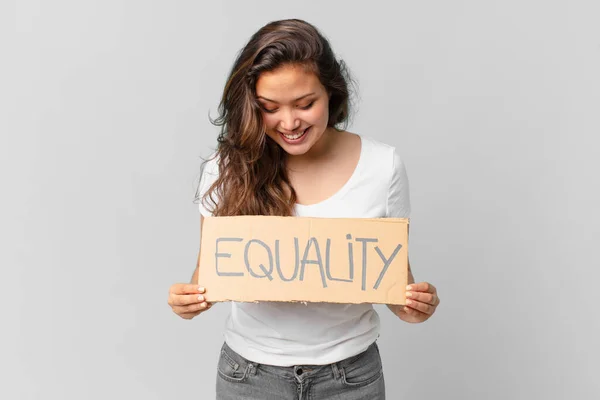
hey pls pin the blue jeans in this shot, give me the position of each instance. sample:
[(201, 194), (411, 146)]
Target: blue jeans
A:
[(356, 377)]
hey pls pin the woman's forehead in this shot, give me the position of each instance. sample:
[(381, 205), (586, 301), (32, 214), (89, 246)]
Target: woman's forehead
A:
[(287, 84)]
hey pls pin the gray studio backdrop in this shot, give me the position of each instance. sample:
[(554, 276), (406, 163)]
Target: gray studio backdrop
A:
[(104, 116)]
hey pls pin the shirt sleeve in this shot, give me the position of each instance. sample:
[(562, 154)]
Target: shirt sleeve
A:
[(398, 201), (208, 176)]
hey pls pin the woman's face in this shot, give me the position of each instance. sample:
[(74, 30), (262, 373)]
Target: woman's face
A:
[(294, 106)]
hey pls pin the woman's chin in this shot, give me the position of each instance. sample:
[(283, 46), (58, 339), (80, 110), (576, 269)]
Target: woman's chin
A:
[(294, 150)]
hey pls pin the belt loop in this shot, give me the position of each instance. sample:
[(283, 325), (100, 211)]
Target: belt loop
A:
[(336, 371)]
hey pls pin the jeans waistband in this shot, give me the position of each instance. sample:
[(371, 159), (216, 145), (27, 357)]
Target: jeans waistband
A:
[(299, 372)]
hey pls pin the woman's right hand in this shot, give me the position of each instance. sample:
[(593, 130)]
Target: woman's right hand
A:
[(187, 300)]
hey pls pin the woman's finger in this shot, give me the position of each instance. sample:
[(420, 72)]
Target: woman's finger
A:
[(423, 307), (184, 300), (421, 287), (427, 298), (416, 315), (186, 288)]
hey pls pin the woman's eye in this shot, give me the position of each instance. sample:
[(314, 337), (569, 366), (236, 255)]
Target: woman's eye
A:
[(308, 106), (265, 109)]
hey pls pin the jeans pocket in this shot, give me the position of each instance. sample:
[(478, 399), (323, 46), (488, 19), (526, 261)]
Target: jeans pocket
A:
[(231, 366), (362, 369)]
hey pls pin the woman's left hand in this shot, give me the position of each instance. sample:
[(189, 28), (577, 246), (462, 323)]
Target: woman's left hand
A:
[(421, 302)]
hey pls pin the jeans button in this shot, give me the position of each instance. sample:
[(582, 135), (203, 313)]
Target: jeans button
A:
[(299, 371)]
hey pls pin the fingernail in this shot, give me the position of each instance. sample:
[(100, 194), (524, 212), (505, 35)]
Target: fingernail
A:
[(204, 304), (409, 294), (408, 301), (409, 287), (201, 298), (201, 289)]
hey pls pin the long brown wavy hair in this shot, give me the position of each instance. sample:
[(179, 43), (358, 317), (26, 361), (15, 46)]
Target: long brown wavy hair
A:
[(252, 167)]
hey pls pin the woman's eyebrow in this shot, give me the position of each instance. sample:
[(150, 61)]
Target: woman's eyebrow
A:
[(273, 101)]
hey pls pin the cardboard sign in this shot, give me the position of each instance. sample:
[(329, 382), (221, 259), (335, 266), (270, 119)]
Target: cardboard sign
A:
[(339, 260)]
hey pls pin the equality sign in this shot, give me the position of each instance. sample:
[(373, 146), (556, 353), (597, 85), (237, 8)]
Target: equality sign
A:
[(339, 260)]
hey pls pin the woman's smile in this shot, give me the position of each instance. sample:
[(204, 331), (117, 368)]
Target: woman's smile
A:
[(295, 138)]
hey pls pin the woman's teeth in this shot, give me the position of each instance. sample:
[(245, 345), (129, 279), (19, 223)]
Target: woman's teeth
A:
[(296, 136)]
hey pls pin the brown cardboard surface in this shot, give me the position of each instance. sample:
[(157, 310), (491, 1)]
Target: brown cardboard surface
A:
[(266, 258)]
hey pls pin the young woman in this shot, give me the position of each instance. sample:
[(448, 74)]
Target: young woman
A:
[(281, 152)]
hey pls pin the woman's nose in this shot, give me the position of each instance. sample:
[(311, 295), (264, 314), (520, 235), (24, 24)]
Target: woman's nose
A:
[(289, 122)]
